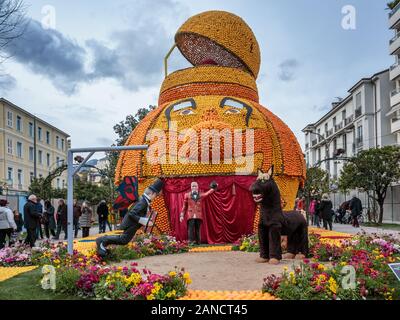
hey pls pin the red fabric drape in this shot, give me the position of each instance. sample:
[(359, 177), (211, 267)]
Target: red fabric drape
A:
[(228, 213)]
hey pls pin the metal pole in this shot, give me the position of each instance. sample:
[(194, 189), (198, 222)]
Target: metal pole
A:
[(70, 181), (34, 148), (70, 197)]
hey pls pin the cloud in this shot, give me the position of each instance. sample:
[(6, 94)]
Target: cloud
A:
[(133, 57), (287, 69), (7, 82), (48, 52)]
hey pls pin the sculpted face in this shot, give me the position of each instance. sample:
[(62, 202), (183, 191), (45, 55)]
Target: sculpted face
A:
[(203, 121)]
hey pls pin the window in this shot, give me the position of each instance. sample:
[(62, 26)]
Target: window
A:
[(58, 142), (9, 146), (48, 159), (326, 127), (344, 115), (9, 119), (31, 129), (19, 177), (10, 174), (31, 156), (47, 137), (40, 156), (40, 133), (58, 162), (359, 134), (31, 176), (19, 123), (58, 183), (345, 142), (62, 144), (334, 145), (63, 183), (19, 149), (358, 100), (319, 154)]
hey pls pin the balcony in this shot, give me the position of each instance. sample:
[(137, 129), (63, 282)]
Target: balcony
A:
[(358, 112), (394, 17), (339, 127), (394, 44), (322, 138), (348, 120), (395, 125), (314, 142), (395, 97), (329, 133), (394, 71)]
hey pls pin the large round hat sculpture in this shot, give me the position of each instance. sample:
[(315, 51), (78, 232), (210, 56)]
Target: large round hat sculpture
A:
[(218, 93)]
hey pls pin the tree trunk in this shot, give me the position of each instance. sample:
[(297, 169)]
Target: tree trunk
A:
[(381, 202)]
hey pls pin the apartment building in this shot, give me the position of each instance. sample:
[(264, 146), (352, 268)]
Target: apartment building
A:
[(29, 147), (360, 121), (394, 49)]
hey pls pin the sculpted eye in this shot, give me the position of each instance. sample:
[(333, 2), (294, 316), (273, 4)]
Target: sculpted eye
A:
[(232, 111), (186, 112)]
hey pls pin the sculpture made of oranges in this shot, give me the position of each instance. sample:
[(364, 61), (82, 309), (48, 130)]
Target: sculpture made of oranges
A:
[(217, 95)]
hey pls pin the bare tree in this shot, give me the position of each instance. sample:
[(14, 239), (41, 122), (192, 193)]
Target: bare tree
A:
[(12, 23)]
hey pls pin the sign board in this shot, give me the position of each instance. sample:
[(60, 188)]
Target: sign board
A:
[(395, 267)]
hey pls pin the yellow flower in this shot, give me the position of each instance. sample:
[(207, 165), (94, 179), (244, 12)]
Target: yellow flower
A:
[(321, 267), (171, 294), (56, 261), (134, 279), (333, 285), (150, 297), (172, 274), (186, 277)]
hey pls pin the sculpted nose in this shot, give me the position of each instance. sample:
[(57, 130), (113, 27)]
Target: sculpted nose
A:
[(210, 114)]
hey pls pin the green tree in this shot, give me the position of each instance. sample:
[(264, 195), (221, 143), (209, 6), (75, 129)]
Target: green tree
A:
[(42, 188), (373, 171), (317, 183), (123, 129)]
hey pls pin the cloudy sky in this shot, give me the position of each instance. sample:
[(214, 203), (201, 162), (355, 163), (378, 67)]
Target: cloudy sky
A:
[(102, 60)]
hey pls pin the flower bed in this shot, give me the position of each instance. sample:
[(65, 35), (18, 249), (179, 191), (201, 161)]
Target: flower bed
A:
[(368, 255), (247, 243), (121, 283)]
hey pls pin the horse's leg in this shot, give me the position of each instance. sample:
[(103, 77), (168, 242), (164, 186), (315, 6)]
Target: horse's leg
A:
[(275, 250), (291, 246), (302, 246), (264, 244)]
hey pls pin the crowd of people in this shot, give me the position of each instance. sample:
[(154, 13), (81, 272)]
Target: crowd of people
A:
[(320, 211), (41, 220)]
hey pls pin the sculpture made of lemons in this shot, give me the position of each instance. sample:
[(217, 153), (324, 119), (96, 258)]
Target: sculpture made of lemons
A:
[(218, 92)]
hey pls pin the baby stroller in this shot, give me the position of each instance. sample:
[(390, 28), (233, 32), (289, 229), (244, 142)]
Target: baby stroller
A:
[(347, 217)]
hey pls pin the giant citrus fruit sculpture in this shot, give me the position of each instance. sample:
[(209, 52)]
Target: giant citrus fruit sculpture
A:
[(216, 99)]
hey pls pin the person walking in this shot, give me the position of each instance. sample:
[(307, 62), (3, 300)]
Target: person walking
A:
[(355, 206), (102, 212), (49, 220), (317, 216), (311, 209), (31, 218), (192, 209), (133, 220), (19, 221), (62, 219), (86, 219), (325, 209), (39, 209), (7, 223), (77, 214)]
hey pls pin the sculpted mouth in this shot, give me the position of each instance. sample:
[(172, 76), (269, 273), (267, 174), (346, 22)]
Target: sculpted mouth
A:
[(257, 198)]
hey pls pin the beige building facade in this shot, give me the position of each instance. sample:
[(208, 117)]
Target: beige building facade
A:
[(21, 134)]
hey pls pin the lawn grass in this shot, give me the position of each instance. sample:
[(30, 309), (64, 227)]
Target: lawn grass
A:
[(26, 286), (392, 226)]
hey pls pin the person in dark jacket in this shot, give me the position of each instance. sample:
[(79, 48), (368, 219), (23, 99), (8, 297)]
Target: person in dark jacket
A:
[(77, 212), (18, 220), (133, 220), (325, 210), (102, 212), (31, 218), (355, 206), (39, 209), (49, 221), (62, 219)]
